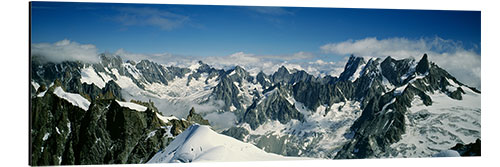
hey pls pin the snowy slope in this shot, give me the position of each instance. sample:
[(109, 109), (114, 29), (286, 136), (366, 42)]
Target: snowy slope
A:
[(166, 119), (199, 143), (90, 76), (357, 73), (73, 98)]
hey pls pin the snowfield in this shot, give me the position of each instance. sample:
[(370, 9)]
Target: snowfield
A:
[(431, 129), (323, 130), (90, 76), (199, 143)]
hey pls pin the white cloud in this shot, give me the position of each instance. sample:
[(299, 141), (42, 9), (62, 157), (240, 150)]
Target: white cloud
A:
[(464, 64), (221, 121), (161, 58), (65, 50)]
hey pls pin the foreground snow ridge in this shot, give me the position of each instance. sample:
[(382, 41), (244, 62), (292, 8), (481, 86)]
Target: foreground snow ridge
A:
[(199, 143)]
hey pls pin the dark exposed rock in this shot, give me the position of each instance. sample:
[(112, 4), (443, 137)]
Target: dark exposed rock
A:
[(394, 70), (263, 79), (196, 118), (226, 91), (111, 91), (471, 149), (314, 94), (51, 137), (423, 65), (107, 133)]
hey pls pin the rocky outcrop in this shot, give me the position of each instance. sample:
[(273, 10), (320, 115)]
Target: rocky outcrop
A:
[(196, 118), (108, 133), (471, 149)]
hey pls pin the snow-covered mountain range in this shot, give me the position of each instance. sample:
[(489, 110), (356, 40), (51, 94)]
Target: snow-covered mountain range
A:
[(374, 108)]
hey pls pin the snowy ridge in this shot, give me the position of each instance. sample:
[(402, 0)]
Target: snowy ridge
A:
[(356, 74), (132, 106), (73, 98), (166, 119), (35, 85), (199, 143)]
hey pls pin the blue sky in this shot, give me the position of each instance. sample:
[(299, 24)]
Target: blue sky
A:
[(317, 40), (223, 30)]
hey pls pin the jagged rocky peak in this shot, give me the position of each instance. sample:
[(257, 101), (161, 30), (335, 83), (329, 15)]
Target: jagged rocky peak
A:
[(239, 71), (283, 70), (111, 60), (148, 66), (423, 65), (352, 68), (282, 75), (274, 106), (397, 71), (203, 67), (153, 72), (239, 74)]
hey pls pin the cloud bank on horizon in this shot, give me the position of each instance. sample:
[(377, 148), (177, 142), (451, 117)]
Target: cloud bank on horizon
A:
[(65, 50), (465, 64)]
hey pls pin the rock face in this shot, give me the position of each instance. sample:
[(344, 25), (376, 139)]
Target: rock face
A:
[(108, 133), (274, 106)]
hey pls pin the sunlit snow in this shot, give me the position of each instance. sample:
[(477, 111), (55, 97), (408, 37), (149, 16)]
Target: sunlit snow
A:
[(199, 143), (73, 98), (132, 106)]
